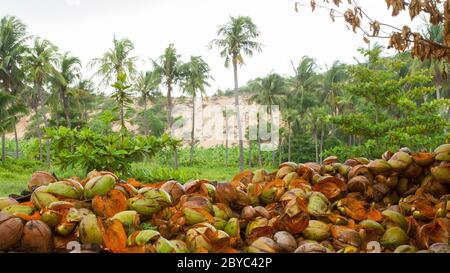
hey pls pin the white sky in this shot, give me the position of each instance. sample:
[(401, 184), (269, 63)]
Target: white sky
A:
[(86, 27)]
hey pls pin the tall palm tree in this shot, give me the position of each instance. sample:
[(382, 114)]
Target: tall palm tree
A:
[(40, 60), (65, 76), (168, 68), (12, 49), (236, 39), (304, 80), (146, 83), (9, 108), (332, 77), (226, 114), (269, 91), (117, 60), (316, 117), (290, 115), (195, 79)]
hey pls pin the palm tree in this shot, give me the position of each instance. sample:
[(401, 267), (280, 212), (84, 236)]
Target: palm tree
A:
[(83, 95), (195, 78), (40, 60), (236, 39), (122, 96), (316, 117), (117, 60), (146, 83), (332, 77), (304, 80), (12, 49), (226, 114), (168, 68), (269, 91), (64, 78), (9, 108), (291, 115)]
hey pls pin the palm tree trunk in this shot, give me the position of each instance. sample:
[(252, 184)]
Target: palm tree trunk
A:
[(16, 139), (66, 108), (47, 143), (145, 116), (259, 146), (280, 158), (316, 145), (3, 147), (272, 135), (122, 118), (226, 139), (38, 131), (321, 143), (191, 156), (85, 114), (238, 115), (289, 142), (169, 119), (250, 154)]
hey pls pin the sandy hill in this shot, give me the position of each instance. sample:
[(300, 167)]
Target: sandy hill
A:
[(210, 122)]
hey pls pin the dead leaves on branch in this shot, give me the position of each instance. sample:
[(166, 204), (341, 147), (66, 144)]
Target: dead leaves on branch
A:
[(422, 48)]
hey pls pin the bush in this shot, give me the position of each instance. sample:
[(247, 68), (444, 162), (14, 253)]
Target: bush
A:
[(87, 150)]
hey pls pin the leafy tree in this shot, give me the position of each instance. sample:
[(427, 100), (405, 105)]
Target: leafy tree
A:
[(236, 39), (114, 152)]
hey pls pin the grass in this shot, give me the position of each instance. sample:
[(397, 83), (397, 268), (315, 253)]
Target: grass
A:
[(14, 182), (14, 175), (208, 164)]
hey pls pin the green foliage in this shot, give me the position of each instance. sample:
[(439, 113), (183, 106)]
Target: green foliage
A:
[(88, 150), (390, 110)]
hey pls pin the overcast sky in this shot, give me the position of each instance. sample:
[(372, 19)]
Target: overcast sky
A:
[(86, 28)]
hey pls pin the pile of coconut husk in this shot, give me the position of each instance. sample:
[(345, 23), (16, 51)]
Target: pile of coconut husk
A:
[(399, 203)]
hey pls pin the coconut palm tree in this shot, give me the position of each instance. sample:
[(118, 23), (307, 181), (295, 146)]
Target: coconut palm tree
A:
[(316, 118), (290, 115), (226, 115), (332, 77), (9, 108), (12, 49), (65, 76), (236, 39), (83, 94), (269, 91), (146, 83), (304, 80), (117, 60), (195, 79), (40, 60), (168, 68)]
